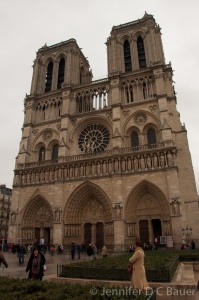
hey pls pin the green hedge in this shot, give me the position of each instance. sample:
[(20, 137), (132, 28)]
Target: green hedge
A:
[(17, 289), (160, 266)]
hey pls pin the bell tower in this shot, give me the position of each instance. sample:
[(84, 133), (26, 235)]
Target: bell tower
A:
[(135, 46), (63, 63)]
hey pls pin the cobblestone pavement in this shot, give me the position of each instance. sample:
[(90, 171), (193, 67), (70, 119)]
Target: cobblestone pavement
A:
[(19, 271)]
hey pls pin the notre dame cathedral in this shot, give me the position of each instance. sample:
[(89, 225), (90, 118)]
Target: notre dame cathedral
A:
[(104, 161)]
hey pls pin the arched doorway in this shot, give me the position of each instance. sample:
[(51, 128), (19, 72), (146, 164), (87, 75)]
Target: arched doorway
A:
[(98, 228), (146, 210), (37, 222), (87, 213)]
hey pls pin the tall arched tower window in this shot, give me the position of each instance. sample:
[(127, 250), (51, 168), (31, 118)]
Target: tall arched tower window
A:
[(49, 76), (151, 136), (42, 151), (61, 73), (127, 56), (55, 152), (134, 139), (141, 53)]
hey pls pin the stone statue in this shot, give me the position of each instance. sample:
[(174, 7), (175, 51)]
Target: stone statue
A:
[(170, 159), (57, 215)]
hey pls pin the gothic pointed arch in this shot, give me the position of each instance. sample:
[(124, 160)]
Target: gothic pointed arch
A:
[(42, 152), (86, 203), (152, 133), (140, 118), (146, 199), (45, 137), (151, 136), (55, 150), (134, 138), (38, 211), (140, 121), (36, 221)]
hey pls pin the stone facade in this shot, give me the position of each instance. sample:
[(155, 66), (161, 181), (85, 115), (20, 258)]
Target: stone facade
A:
[(5, 204), (104, 161)]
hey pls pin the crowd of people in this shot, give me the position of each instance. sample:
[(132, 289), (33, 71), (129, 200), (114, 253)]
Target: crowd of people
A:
[(188, 245), (36, 261), (145, 246), (90, 251)]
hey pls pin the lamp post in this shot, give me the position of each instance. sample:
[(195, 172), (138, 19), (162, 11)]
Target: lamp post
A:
[(186, 233)]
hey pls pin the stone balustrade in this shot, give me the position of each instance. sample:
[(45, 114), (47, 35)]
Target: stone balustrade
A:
[(116, 161)]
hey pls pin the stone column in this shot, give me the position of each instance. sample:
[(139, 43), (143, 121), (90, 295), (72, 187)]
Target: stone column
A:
[(57, 233), (119, 228)]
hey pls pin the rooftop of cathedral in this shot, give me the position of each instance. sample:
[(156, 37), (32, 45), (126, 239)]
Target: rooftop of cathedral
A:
[(144, 18)]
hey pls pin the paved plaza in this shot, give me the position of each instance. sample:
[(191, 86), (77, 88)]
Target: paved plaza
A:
[(184, 279), (19, 271)]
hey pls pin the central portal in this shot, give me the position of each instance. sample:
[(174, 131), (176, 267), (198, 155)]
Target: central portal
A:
[(94, 233)]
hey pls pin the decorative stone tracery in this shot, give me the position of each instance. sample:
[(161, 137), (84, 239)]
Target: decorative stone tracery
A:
[(94, 139), (140, 118)]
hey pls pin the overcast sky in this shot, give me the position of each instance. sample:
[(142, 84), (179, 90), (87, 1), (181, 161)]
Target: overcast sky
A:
[(26, 25)]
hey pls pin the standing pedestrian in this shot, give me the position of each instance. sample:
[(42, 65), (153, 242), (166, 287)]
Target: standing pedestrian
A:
[(79, 250), (89, 251), (21, 251), (36, 264), (138, 278), (2, 258), (73, 248), (193, 246)]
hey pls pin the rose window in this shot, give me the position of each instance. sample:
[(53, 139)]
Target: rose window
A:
[(94, 139)]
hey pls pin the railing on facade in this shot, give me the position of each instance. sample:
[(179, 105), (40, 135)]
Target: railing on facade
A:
[(93, 96), (106, 153), (116, 161), (133, 88)]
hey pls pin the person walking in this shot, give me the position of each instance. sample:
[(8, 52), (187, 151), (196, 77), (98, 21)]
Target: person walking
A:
[(21, 251), (138, 278), (2, 258), (73, 249), (36, 264)]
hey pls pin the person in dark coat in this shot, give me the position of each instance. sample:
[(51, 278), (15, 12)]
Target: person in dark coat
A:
[(2, 258), (193, 246), (89, 252), (21, 251), (36, 264), (73, 248)]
